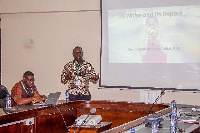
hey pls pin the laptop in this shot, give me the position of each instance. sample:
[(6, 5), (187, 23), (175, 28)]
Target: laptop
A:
[(52, 99)]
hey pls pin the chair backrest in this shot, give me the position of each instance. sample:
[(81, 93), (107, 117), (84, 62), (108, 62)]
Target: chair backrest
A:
[(3, 94)]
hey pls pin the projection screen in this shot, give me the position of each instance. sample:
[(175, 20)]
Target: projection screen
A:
[(150, 43)]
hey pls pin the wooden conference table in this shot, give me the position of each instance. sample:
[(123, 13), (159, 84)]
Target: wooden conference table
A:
[(60, 118)]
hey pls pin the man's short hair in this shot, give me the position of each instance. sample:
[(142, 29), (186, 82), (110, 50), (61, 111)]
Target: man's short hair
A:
[(28, 73), (78, 47)]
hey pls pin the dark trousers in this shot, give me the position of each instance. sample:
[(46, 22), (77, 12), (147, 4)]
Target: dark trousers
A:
[(79, 97)]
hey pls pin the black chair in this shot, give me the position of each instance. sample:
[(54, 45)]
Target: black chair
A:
[(3, 94)]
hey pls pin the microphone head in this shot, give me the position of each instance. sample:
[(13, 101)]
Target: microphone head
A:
[(163, 91), (93, 110)]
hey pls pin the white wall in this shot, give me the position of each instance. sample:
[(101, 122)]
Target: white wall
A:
[(55, 28)]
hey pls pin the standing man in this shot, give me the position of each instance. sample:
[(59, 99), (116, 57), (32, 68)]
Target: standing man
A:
[(25, 92), (78, 73)]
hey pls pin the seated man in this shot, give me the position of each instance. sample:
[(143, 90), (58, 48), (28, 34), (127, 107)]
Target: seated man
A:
[(25, 92)]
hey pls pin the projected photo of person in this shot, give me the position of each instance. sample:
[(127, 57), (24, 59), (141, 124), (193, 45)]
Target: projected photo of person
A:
[(152, 44)]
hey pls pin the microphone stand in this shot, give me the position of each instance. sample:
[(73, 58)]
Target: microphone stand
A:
[(92, 111), (155, 102), (82, 123), (147, 121)]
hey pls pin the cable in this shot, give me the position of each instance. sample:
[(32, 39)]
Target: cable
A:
[(62, 117)]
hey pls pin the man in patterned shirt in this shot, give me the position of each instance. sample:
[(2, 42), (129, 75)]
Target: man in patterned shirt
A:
[(78, 73)]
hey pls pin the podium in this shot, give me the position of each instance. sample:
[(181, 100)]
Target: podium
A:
[(91, 129)]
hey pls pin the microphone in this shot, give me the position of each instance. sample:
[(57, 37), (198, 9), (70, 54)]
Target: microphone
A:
[(92, 111), (162, 93), (147, 121)]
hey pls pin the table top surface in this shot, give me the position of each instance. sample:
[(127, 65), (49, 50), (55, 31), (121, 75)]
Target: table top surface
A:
[(188, 120)]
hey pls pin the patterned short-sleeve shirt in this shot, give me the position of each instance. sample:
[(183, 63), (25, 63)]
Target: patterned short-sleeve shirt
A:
[(82, 73)]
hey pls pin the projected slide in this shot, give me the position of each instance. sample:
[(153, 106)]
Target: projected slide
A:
[(150, 44), (154, 35)]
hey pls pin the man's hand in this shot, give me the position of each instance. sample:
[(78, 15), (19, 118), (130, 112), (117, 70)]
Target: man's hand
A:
[(43, 97), (36, 99), (96, 77), (68, 76)]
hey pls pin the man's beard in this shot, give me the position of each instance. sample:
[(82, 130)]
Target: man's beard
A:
[(79, 59)]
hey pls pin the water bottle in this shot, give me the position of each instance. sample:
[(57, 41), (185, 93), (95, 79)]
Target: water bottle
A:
[(67, 96), (132, 130), (8, 101), (173, 119), (173, 123), (155, 125), (174, 108)]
